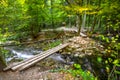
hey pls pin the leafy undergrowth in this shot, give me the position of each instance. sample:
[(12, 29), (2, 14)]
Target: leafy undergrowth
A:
[(77, 71), (49, 45)]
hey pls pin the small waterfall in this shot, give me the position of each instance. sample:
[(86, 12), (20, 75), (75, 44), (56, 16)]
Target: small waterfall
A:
[(19, 53)]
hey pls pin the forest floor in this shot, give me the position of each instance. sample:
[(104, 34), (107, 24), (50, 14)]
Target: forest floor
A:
[(35, 73), (43, 73)]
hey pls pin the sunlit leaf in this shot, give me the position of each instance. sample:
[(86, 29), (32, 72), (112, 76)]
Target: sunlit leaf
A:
[(99, 59), (77, 66), (4, 3), (116, 61)]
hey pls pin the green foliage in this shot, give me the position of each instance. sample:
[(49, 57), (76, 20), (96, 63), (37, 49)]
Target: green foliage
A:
[(2, 62), (3, 55), (30, 16), (53, 44), (110, 15), (112, 60), (78, 72), (3, 37), (50, 45), (99, 59)]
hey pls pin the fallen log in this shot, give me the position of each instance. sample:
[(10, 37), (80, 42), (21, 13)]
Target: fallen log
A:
[(23, 43), (41, 55), (40, 58)]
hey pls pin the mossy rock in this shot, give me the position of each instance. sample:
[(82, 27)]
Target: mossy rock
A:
[(2, 63)]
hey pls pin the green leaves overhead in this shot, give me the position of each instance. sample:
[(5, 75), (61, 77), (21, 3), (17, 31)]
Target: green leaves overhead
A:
[(4, 3), (110, 7), (82, 6)]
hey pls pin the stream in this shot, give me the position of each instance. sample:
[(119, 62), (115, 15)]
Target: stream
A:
[(18, 53)]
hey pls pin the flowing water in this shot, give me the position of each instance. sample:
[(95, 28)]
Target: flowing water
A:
[(24, 53), (21, 53)]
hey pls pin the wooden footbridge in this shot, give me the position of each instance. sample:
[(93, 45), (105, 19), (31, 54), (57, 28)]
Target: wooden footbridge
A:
[(31, 61)]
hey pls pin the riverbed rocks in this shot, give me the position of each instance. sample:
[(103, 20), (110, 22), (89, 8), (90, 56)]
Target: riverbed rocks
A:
[(80, 46)]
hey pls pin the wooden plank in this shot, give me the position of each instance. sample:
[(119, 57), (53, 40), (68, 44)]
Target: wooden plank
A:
[(10, 66), (40, 56), (47, 54), (30, 60)]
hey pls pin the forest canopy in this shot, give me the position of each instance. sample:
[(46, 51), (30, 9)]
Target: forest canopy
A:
[(32, 16)]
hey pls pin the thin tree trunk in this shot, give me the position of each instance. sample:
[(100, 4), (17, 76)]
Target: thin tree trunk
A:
[(69, 21), (94, 23), (99, 23), (84, 20), (52, 20), (79, 23)]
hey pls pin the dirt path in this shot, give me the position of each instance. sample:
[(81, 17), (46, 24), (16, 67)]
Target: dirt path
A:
[(34, 73)]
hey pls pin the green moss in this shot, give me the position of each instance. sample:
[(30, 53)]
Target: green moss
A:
[(2, 62), (50, 45)]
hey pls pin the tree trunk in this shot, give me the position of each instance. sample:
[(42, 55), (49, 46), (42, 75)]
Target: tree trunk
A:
[(84, 20), (78, 23), (94, 23), (52, 19), (99, 23), (69, 18)]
